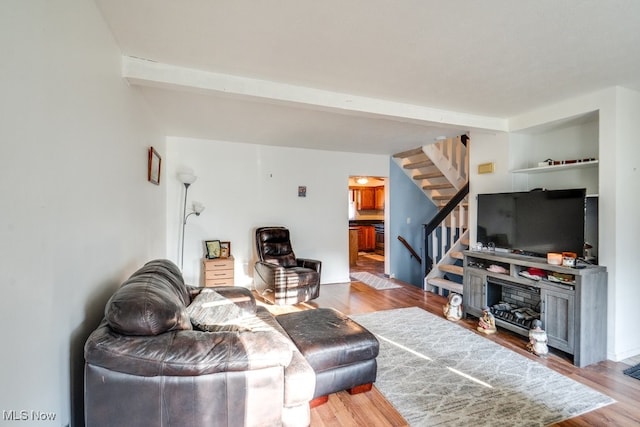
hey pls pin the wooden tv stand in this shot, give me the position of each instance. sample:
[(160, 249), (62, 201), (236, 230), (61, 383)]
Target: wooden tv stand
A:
[(572, 303)]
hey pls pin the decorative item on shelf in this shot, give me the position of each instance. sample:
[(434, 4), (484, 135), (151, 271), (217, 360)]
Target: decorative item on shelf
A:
[(497, 269), (554, 258), (587, 251), (225, 249), (153, 166), (213, 248), (453, 308), (560, 277), (551, 162), (569, 259), (187, 178), (538, 339), (487, 323), (533, 273)]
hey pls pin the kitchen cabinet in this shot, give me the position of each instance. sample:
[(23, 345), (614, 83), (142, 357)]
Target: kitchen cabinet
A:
[(368, 198), (379, 197), (366, 238), (353, 246)]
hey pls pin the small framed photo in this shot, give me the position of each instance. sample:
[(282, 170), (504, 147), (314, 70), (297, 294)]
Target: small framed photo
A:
[(213, 248), (153, 168), (225, 249)]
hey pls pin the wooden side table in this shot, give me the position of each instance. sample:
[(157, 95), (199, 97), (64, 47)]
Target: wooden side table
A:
[(218, 271)]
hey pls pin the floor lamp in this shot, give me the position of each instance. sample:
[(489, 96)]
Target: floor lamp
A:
[(187, 178)]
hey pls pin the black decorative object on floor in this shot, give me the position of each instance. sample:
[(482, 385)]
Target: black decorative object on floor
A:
[(634, 371)]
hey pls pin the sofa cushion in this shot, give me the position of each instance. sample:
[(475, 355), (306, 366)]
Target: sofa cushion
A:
[(274, 246), (169, 271), (210, 311), (146, 304)]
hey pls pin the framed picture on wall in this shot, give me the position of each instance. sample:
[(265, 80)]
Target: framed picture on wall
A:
[(225, 249), (153, 167), (213, 248)]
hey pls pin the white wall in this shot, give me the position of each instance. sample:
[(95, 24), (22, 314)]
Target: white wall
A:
[(244, 186), (565, 142), (77, 213), (487, 148), (627, 212), (618, 183)]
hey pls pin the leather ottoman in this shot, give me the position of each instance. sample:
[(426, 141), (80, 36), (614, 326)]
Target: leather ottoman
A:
[(341, 352)]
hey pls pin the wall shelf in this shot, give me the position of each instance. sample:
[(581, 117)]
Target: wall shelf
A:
[(555, 168)]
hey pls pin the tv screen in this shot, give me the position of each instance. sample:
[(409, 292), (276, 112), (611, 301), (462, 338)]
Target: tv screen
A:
[(533, 222)]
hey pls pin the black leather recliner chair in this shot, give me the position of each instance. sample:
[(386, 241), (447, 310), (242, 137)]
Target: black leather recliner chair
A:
[(280, 277)]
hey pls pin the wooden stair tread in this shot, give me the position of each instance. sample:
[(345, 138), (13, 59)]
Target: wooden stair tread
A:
[(409, 153), (428, 175), (418, 165), (453, 269), (437, 186), (457, 255), (445, 284), (443, 197)]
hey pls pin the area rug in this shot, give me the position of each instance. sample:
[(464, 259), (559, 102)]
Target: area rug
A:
[(374, 281), (436, 373), (633, 372)]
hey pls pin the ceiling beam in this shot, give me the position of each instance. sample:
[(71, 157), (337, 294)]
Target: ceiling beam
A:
[(144, 72)]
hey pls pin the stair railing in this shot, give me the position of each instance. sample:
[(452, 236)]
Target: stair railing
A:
[(450, 156), (410, 248), (433, 253)]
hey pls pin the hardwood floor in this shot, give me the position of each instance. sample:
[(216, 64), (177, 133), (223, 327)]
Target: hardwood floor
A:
[(371, 408)]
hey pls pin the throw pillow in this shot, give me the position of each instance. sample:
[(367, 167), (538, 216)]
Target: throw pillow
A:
[(210, 311)]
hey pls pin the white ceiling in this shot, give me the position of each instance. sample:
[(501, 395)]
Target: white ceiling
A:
[(411, 69)]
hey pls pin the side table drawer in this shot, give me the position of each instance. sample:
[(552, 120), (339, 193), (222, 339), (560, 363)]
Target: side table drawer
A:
[(218, 282), (218, 264), (218, 272)]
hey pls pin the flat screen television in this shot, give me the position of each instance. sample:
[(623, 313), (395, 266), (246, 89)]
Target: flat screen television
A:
[(533, 222)]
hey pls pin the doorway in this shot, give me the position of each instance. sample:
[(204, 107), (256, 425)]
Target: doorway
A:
[(367, 198)]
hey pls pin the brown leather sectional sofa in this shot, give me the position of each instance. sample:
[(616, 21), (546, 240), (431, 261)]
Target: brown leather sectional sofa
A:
[(147, 365)]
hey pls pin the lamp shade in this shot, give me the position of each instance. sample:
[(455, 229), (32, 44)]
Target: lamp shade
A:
[(198, 207), (187, 177)]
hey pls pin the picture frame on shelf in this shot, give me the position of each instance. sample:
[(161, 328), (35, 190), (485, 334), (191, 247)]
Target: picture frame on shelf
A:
[(213, 248), (225, 249), (154, 164)]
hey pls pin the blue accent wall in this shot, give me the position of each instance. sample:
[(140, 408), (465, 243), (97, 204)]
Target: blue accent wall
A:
[(406, 200)]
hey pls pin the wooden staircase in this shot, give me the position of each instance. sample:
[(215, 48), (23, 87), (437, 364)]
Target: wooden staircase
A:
[(440, 170)]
